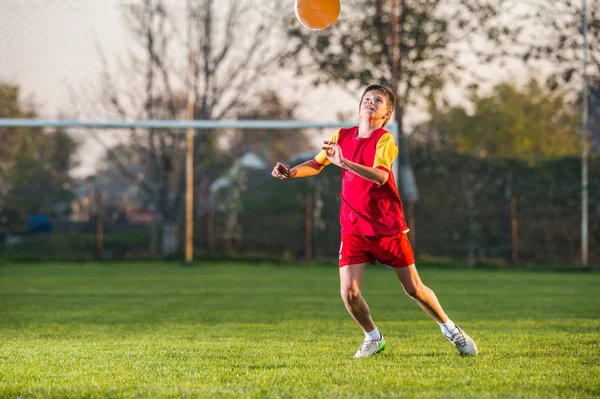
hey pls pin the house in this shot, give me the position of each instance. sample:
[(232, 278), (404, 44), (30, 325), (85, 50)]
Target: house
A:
[(247, 161)]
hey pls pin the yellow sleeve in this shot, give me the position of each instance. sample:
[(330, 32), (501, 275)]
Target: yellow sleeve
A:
[(386, 152), (321, 158)]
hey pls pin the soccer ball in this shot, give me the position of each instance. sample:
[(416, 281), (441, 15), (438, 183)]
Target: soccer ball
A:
[(317, 14)]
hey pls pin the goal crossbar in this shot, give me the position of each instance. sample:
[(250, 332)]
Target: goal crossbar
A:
[(174, 124)]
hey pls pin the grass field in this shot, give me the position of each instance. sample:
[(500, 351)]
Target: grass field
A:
[(223, 330)]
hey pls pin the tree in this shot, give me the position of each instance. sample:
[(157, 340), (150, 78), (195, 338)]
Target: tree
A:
[(9, 108), (117, 190), (233, 49), (432, 37), (273, 144), (525, 123), (554, 35), (556, 38), (35, 166)]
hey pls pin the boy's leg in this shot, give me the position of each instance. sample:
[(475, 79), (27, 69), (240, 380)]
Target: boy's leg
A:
[(350, 288), (420, 293), (351, 277), (425, 297)]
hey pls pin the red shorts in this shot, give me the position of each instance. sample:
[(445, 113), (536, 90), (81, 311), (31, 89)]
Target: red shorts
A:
[(394, 251)]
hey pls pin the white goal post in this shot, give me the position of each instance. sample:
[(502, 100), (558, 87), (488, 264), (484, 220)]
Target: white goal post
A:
[(192, 124)]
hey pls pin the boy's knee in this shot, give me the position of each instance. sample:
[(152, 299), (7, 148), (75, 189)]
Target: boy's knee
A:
[(350, 295)]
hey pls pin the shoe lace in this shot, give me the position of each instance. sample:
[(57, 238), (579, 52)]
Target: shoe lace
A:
[(458, 339), (365, 344)]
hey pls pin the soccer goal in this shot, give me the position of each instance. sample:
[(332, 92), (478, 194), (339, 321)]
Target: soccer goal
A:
[(192, 127)]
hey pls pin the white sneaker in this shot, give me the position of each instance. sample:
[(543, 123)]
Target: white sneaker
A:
[(462, 342), (370, 347)]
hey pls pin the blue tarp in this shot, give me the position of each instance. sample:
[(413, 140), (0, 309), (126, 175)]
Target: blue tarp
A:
[(38, 224)]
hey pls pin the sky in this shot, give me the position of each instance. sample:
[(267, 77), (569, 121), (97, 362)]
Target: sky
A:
[(49, 48)]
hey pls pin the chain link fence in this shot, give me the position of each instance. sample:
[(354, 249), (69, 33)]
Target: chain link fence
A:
[(471, 210)]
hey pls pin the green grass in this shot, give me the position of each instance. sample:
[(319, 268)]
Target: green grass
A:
[(161, 330)]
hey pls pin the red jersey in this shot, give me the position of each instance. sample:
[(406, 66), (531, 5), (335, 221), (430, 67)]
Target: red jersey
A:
[(368, 209)]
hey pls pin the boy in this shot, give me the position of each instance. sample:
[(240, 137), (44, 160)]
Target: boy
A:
[(371, 218)]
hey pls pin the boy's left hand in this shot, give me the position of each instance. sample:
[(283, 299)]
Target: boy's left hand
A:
[(334, 153)]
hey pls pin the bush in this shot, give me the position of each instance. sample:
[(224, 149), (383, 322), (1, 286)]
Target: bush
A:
[(76, 247)]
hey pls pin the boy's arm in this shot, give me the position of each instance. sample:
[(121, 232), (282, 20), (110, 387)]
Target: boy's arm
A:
[(375, 175), (306, 169), (334, 154)]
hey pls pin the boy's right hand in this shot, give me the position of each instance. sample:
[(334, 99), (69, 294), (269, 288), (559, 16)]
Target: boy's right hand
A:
[(281, 171)]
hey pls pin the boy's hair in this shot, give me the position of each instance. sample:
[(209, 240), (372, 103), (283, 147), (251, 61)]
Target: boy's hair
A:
[(387, 93)]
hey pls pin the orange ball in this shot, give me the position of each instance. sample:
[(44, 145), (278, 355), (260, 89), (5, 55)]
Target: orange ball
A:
[(317, 14)]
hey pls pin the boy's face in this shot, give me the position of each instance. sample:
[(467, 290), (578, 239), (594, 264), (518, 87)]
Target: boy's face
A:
[(374, 106)]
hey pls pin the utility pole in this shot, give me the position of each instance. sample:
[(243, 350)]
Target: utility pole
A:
[(402, 159), (405, 171), (585, 148), (189, 164), (395, 47)]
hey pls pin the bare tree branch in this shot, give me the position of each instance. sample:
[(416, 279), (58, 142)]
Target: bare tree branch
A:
[(120, 165)]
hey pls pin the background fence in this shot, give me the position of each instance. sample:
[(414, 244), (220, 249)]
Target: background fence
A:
[(470, 209)]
